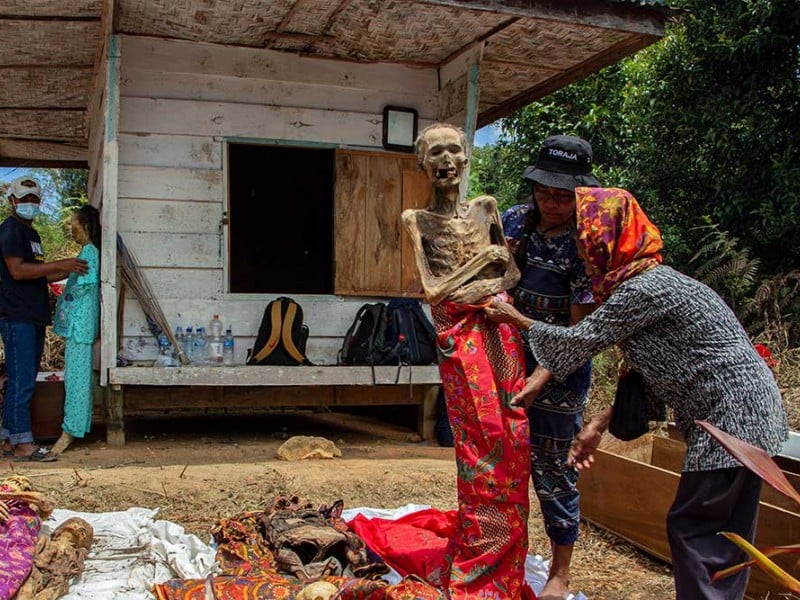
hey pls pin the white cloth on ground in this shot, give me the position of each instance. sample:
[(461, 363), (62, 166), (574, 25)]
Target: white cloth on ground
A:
[(131, 552)]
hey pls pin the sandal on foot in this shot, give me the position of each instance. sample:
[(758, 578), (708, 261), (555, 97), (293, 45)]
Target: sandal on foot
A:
[(39, 455)]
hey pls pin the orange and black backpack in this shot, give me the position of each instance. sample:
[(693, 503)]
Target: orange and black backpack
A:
[(282, 336)]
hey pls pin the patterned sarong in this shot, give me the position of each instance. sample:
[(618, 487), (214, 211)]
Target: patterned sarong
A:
[(17, 546), (481, 365)]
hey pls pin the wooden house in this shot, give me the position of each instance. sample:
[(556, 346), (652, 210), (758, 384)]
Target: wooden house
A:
[(237, 146)]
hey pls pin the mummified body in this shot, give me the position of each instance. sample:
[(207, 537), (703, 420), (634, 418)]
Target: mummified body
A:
[(459, 247), (463, 262)]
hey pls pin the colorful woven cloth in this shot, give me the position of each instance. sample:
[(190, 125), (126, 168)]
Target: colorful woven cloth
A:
[(17, 546), (277, 587), (618, 238), (481, 366), (250, 573)]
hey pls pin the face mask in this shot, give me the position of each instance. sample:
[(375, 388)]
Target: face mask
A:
[(28, 210)]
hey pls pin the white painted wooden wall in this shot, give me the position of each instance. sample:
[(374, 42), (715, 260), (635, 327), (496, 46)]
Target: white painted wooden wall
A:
[(179, 102)]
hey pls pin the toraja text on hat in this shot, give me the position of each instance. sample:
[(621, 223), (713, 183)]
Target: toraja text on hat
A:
[(562, 154)]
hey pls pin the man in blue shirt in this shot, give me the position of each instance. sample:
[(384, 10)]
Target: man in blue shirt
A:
[(24, 313)]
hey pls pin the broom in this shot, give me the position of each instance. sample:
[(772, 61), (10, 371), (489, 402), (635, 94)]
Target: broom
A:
[(137, 282)]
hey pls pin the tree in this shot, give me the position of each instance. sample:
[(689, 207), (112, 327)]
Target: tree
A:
[(713, 110), (63, 187), (701, 124)]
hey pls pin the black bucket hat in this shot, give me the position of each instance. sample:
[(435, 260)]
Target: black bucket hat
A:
[(564, 162)]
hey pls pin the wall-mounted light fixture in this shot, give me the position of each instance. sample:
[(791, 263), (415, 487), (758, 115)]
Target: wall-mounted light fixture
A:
[(399, 128)]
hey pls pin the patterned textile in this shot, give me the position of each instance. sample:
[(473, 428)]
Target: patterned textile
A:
[(619, 239), (78, 387), (481, 369), (77, 319), (77, 314), (553, 276), (279, 587), (553, 279), (693, 354), (250, 572), (18, 536)]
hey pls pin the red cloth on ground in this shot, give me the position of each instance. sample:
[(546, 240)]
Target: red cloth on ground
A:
[(414, 544)]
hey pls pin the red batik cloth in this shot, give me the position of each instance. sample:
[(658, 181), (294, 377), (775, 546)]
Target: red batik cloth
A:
[(481, 366)]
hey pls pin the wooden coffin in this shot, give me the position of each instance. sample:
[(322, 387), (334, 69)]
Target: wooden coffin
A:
[(631, 486)]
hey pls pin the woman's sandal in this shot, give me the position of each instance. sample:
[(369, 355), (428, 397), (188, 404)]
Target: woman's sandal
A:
[(41, 454)]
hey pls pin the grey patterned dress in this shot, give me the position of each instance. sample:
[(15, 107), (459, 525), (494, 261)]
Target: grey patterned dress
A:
[(693, 354)]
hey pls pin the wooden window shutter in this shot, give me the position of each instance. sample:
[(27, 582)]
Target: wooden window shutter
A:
[(373, 256)]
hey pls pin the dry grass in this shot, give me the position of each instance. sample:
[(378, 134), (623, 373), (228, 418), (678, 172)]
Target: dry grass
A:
[(787, 374)]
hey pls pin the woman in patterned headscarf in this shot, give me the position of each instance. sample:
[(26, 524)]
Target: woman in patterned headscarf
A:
[(693, 355)]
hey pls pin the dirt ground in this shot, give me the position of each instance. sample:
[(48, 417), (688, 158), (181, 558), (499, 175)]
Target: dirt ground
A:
[(196, 470)]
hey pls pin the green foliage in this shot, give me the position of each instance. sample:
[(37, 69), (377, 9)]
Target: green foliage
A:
[(772, 311), (62, 188), (714, 108), (767, 305), (726, 267), (493, 173), (702, 123), (591, 109)]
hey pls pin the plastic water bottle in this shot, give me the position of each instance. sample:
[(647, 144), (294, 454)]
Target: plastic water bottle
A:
[(215, 341), (188, 343), (200, 347), (180, 344), (164, 352), (228, 348)]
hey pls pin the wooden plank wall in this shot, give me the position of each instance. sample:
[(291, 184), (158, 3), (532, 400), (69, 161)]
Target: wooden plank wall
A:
[(179, 103)]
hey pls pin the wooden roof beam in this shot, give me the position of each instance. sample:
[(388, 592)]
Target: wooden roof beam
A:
[(65, 125), (579, 71), (36, 153), (43, 9), (604, 14)]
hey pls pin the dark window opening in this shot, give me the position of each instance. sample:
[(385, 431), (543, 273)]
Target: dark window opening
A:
[(280, 219)]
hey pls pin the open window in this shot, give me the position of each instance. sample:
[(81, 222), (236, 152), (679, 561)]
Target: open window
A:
[(280, 219), (321, 221)]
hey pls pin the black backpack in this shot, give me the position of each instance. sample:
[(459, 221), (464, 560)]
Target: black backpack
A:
[(411, 335), (282, 336), (365, 340)]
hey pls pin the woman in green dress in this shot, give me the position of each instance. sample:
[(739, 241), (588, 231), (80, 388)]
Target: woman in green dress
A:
[(77, 321)]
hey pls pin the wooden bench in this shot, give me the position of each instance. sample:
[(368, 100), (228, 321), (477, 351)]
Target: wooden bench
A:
[(149, 389)]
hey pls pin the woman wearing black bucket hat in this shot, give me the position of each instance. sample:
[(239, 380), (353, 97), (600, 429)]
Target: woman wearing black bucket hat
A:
[(554, 288)]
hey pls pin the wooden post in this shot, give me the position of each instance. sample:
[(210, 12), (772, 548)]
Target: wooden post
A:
[(115, 415), (426, 414), (108, 266)]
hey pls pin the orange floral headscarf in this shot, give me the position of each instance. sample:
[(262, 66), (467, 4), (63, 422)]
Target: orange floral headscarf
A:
[(619, 239)]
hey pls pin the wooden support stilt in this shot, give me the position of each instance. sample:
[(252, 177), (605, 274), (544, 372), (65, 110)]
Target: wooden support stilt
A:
[(115, 415)]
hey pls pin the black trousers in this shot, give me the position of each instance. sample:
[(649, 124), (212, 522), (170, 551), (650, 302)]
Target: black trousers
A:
[(706, 503)]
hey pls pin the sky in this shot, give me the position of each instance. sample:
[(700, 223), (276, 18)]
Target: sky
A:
[(10, 173), (488, 135)]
